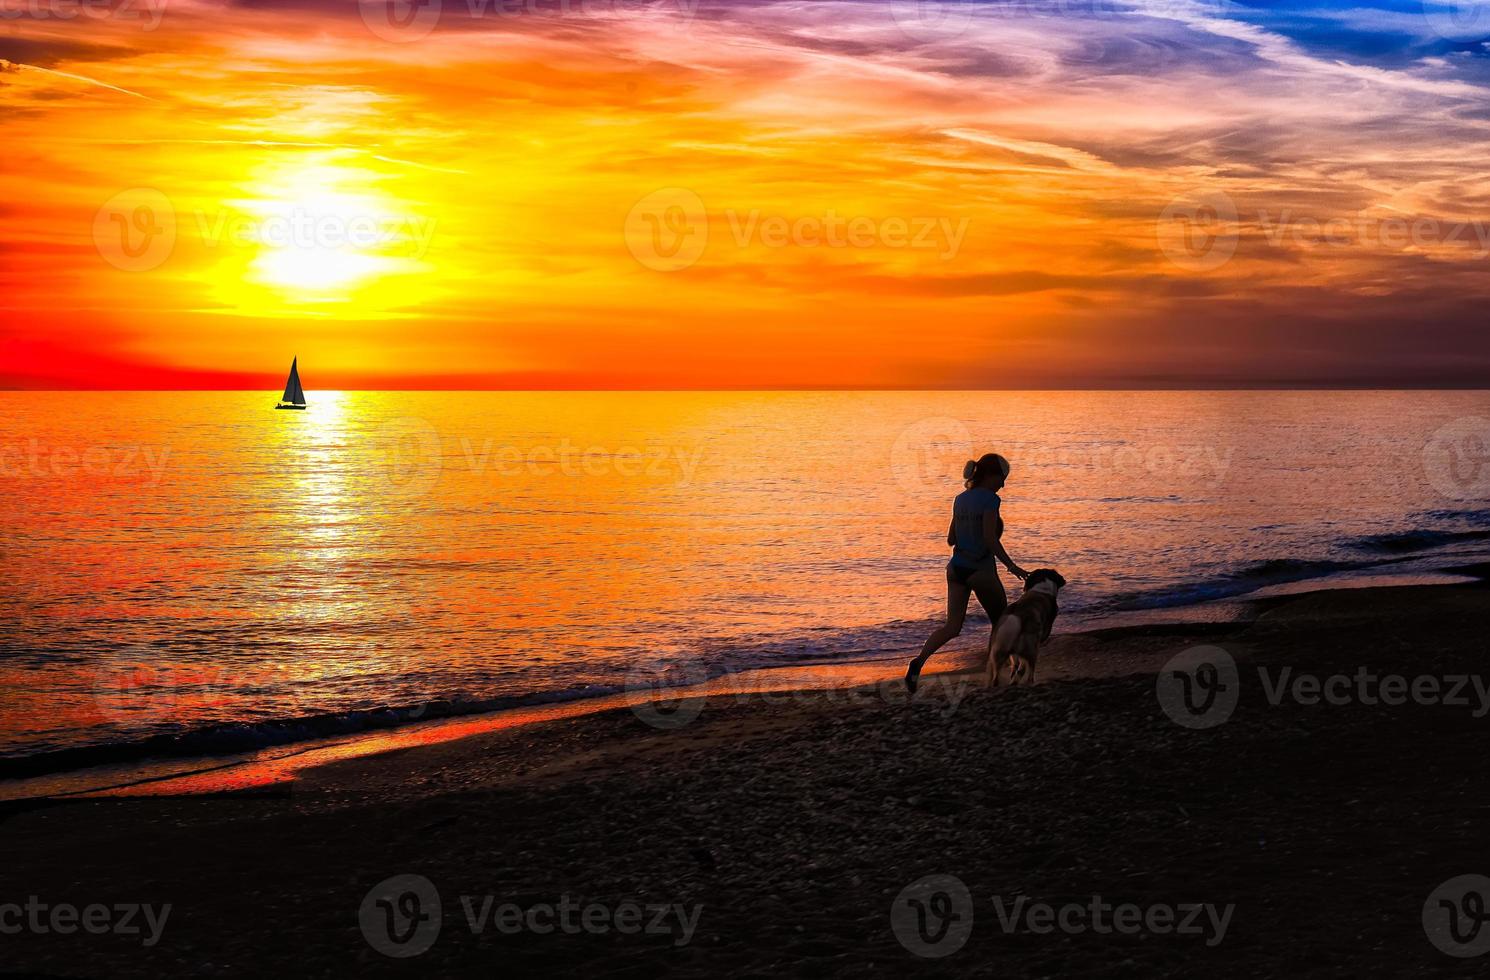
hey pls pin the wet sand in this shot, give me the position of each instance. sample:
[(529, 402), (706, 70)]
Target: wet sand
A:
[(770, 832)]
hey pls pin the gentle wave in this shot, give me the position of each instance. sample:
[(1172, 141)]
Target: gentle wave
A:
[(236, 738), (1392, 548)]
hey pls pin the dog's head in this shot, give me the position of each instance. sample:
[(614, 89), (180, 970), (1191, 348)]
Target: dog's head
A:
[(1056, 580)]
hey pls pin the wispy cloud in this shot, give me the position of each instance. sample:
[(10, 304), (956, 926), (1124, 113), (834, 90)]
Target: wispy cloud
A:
[(1065, 135)]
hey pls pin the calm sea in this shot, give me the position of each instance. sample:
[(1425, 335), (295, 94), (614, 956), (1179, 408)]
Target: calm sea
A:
[(198, 572)]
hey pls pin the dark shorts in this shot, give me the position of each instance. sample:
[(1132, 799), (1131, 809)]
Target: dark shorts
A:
[(982, 582), (963, 575)]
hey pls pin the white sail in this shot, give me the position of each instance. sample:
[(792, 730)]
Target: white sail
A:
[(294, 394)]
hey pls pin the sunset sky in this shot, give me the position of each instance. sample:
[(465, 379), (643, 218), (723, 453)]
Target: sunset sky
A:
[(556, 193)]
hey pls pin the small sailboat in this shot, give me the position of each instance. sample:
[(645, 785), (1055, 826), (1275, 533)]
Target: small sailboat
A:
[(294, 396)]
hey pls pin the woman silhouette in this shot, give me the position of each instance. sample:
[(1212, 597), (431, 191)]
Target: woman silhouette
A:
[(975, 538)]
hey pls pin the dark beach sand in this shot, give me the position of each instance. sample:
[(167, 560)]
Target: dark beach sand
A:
[(796, 821)]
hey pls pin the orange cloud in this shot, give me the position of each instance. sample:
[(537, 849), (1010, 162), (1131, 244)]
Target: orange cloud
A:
[(734, 195)]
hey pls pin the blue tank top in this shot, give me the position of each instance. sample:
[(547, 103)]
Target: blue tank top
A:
[(971, 549)]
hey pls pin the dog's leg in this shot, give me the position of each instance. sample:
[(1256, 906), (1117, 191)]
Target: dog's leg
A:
[(1031, 659), (1000, 646), (996, 661)]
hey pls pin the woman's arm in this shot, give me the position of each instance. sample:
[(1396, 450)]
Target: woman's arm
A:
[(952, 534), (993, 534)]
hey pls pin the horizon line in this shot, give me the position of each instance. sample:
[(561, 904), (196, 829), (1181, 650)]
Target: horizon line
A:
[(782, 389)]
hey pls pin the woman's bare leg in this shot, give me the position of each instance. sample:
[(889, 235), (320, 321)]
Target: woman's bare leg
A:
[(989, 589), (957, 598)]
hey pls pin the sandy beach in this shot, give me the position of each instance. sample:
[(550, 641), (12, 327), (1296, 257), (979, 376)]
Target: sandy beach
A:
[(480, 483), (1292, 828)]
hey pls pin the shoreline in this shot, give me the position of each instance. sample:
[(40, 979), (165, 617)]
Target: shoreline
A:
[(225, 741), (266, 766), (789, 825)]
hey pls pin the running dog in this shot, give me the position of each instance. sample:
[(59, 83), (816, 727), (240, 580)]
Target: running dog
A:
[(1023, 627)]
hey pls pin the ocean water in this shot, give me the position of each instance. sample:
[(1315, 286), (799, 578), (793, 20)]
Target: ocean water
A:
[(196, 572)]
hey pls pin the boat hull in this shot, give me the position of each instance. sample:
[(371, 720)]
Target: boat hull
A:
[(297, 408)]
